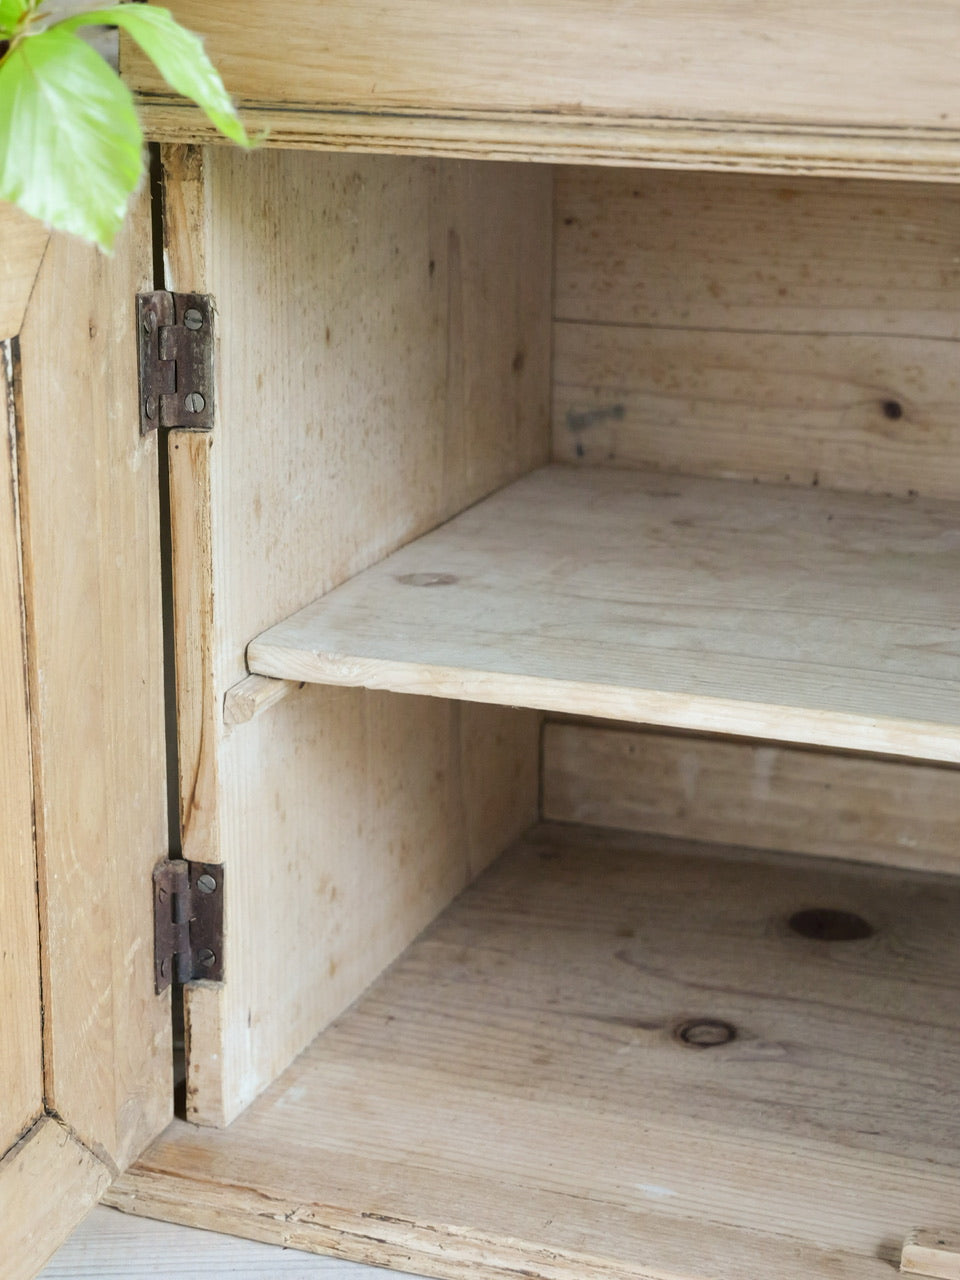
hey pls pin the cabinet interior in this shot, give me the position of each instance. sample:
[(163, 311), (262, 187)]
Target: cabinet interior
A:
[(560, 448)]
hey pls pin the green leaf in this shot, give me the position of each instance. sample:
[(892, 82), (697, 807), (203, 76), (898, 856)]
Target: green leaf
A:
[(179, 57), (70, 142), (11, 12)]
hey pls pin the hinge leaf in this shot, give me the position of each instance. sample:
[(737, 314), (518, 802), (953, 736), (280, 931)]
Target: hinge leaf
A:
[(188, 922), (175, 344)]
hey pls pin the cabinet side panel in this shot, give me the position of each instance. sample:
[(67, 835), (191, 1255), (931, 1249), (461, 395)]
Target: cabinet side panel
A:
[(800, 332), (384, 362), (21, 1064), (92, 575)]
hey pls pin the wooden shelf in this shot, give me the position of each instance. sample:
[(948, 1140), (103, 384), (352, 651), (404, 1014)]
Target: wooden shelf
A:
[(825, 86), (520, 1091), (775, 612)]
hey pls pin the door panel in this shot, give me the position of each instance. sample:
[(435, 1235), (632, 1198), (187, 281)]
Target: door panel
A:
[(47, 1184), (91, 562), (87, 1068), (21, 1065)]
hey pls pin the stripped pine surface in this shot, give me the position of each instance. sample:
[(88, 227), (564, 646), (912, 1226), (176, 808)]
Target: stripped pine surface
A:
[(21, 1061), (48, 1182), (116, 1246), (23, 240), (252, 696), (616, 1056), (405, 320), (797, 332), (734, 86), (774, 612), (934, 1254), (91, 565), (888, 812)]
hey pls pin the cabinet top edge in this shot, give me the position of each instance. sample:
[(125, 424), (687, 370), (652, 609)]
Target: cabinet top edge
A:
[(923, 155)]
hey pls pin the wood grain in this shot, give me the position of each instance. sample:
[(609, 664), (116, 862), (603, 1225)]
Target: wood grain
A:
[(254, 695), (21, 1064), (92, 589), (513, 1093), (932, 1253), (384, 361), (733, 85), (874, 415), (198, 708), (799, 615), (755, 795), (48, 1182), (115, 1246), (22, 243), (760, 255), (801, 333)]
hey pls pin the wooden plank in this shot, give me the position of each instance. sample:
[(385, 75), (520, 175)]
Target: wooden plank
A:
[(198, 708), (749, 85), (733, 252), (21, 1064), (115, 1246), (932, 1253), (875, 415), (91, 569), (404, 324), (23, 240), (798, 615), (254, 695), (757, 796), (701, 146), (799, 333), (47, 1184), (514, 1095)]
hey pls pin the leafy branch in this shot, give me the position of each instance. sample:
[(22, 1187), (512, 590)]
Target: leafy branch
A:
[(71, 146)]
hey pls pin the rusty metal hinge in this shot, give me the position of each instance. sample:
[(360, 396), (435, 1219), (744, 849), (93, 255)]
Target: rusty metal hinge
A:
[(176, 360), (188, 922)]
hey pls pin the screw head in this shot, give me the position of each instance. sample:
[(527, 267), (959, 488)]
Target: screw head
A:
[(194, 402), (206, 958), (149, 321), (193, 319), (206, 883), (150, 407)]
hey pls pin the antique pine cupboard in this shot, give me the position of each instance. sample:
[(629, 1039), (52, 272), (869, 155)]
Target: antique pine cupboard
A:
[(578, 477)]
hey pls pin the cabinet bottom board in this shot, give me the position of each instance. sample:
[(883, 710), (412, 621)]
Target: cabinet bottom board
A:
[(617, 1056)]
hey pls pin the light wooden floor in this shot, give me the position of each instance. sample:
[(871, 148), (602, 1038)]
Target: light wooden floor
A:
[(111, 1244)]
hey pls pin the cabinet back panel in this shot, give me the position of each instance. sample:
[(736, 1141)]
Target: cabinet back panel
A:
[(789, 331), (759, 795), (384, 352)]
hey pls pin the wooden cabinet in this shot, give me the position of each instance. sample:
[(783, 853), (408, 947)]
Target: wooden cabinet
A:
[(560, 505)]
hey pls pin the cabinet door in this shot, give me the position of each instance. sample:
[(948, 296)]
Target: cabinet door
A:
[(85, 1055)]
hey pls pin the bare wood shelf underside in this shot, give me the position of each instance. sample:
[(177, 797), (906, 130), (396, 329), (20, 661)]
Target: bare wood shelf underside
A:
[(613, 1056), (777, 612), (829, 86)]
